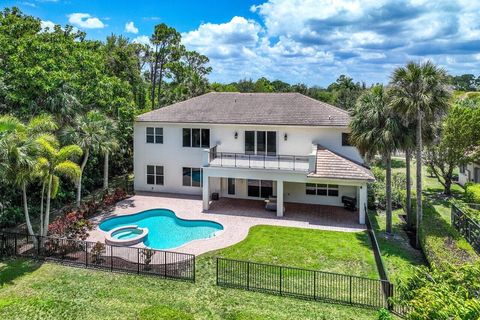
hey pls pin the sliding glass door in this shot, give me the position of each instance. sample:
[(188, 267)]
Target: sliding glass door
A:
[(261, 142), (260, 188)]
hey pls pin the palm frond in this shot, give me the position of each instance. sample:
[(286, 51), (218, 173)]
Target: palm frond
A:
[(69, 152), (69, 169)]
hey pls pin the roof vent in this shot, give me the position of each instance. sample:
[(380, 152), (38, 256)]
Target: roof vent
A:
[(329, 117)]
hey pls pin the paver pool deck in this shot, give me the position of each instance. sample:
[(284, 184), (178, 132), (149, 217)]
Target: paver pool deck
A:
[(236, 215)]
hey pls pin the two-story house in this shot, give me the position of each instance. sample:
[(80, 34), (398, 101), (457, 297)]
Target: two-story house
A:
[(283, 146)]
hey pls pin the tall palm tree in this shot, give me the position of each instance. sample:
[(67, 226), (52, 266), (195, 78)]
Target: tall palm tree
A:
[(53, 162), (407, 144), (87, 132), (107, 145), (375, 129), (18, 152), (420, 93)]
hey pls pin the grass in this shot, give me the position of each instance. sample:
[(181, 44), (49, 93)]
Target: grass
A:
[(50, 291), (332, 251), (442, 243), (398, 255)]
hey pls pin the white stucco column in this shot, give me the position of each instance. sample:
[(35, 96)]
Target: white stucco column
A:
[(279, 198), (206, 191), (362, 203)]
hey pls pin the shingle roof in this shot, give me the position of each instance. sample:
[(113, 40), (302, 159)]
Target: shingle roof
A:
[(251, 108), (331, 165)]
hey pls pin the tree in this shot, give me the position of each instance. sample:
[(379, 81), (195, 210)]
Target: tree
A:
[(375, 129), (456, 140), (419, 93), (465, 82), (54, 162), (18, 153), (107, 145), (166, 42), (87, 132), (346, 91)]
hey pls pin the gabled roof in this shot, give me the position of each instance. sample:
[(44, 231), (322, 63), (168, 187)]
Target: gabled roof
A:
[(331, 165), (251, 108)]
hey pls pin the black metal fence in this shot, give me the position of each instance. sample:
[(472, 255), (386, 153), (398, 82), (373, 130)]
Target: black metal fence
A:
[(466, 225), (303, 283), (98, 255)]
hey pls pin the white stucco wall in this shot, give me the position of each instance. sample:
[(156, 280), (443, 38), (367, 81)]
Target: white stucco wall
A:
[(173, 156)]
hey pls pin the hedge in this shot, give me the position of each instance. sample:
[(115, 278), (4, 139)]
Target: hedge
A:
[(472, 193)]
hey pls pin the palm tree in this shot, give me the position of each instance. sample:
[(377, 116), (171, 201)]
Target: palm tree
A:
[(54, 162), (87, 132), (375, 129), (17, 153), (419, 93), (107, 145), (407, 144)]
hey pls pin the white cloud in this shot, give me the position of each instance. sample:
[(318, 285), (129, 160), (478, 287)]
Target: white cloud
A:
[(85, 20), (130, 27), (47, 24), (141, 40), (314, 41)]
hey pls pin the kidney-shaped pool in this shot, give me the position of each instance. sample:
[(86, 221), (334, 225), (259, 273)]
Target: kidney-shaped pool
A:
[(165, 229)]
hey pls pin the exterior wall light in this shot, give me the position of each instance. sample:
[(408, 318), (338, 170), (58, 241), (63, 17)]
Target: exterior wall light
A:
[(285, 137), (236, 135)]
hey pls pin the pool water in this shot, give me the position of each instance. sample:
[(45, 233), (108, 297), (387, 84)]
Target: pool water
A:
[(126, 234), (166, 230)]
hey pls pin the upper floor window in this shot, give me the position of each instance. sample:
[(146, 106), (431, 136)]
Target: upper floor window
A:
[(346, 139), (196, 138), (154, 135), (155, 175), (261, 142)]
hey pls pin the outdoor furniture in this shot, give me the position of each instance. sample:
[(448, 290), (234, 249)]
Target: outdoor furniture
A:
[(349, 203)]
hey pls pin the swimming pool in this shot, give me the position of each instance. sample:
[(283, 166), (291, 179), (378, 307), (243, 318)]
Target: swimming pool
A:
[(165, 229)]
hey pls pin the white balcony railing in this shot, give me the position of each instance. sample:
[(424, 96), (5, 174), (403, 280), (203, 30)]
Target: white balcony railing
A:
[(241, 160)]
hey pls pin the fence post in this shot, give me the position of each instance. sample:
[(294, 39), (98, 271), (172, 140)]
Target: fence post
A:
[(217, 273), (111, 258), (281, 280), (165, 265), (389, 296), (314, 285), (38, 245), (350, 285), (138, 261), (86, 254), (248, 275)]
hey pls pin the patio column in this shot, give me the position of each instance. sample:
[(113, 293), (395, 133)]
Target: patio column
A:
[(206, 192), (362, 203), (279, 198)]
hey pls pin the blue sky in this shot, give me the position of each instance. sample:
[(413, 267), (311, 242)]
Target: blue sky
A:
[(310, 41)]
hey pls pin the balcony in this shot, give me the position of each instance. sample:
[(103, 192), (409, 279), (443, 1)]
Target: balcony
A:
[(254, 161)]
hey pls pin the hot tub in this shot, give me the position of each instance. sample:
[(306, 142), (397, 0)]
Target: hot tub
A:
[(126, 235)]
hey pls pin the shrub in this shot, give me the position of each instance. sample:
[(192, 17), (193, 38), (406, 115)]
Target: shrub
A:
[(97, 251), (451, 293), (472, 193), (11, 216), (383, 314), (71, 226), (377, 191), (164, 313)]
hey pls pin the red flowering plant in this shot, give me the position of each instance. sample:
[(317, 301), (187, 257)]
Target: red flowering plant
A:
[(71, 226)]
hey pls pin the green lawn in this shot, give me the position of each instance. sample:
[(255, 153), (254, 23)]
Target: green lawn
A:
[(398, 256), (339, 252), (443, 243), (49, 291)]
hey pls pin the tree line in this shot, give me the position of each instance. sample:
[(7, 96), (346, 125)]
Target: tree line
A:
[(61, 92)]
